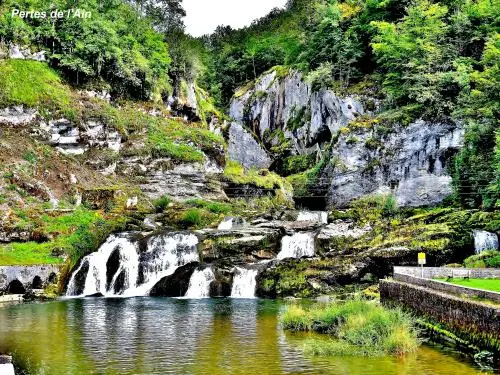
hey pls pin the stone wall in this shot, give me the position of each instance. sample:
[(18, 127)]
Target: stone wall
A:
[(443, 272), (478, 322), (27, 274), (448, 288)]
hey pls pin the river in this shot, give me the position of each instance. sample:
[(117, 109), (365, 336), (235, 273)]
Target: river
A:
[(182, 336)]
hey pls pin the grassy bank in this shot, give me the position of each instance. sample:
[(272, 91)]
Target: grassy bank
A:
[(356, 327), (484, 284)]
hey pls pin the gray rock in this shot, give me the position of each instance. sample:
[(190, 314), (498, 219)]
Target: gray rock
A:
[(70, 139), (17, 115), (245, 149), (411, 164), (160, 177)]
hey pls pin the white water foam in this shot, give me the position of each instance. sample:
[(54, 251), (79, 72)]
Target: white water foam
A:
[(297, 246), (244, 283)]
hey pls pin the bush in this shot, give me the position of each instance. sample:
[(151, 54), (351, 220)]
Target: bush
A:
[(487, 259), (192, 218), (214, 207), (161, 203), (356, 327)]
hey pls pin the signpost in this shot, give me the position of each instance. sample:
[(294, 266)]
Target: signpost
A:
[(421, 262)]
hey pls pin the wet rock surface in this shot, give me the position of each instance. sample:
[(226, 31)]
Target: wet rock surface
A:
[(175, 285)]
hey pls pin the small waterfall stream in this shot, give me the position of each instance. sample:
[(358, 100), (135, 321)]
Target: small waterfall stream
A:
[(297, 246), (318, 216), (244, 283), (485, 241), (199, 284)]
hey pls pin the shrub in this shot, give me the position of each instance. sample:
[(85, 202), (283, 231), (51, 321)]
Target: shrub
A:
[(192, 218), (161, 203), (487, 259)]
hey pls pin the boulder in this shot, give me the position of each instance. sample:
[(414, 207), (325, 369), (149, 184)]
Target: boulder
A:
[(175, 285)]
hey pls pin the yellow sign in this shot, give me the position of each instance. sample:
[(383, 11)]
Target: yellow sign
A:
[(421, 258)]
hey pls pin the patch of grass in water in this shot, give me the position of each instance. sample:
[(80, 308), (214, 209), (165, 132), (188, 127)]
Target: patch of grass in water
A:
[(357, 328)]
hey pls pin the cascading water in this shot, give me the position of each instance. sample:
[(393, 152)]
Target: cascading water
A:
[(199, 284), (297, 246), (95, 281), (165, 253), (316, 216), (485, 241), (244, 283), (128, 272)]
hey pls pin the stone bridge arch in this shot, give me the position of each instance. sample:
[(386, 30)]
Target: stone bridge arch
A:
[(27, 277)]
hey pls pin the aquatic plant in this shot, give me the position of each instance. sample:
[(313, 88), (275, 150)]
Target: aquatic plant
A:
[(354, 327)]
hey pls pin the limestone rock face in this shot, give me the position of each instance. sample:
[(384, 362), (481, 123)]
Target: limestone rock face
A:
[(17, 115), (245, 149), (239, 245), (25, 53), (410, 163), (287, 117), (70, 139), (180, 181), (286, 108)]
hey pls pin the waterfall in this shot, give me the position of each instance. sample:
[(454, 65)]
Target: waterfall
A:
[(199, 284), (244, 283), (95, 281), (485, 241), (297, 246), (119, 269), (317, 216)]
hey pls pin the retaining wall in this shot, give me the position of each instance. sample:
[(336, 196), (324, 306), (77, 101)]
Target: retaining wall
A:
[(479, 321)]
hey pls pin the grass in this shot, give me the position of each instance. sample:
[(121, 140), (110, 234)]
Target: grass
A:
[(214, 207), (74, 234), (161, 203), (33, 84), (356, 327), (484, 284), (236, 173)]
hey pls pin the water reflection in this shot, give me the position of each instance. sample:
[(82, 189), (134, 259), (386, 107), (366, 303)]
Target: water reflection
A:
[(180, 336)]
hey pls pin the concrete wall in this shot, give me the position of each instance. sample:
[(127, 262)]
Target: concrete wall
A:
[(26, 274), (480, 322), (443, 272), (448, 288)]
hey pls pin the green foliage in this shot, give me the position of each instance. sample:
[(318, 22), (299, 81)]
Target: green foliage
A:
[(297, 164), (487, 259), (214, 207), (33, 84), (357, 328), (75, 234), (162, 203), (236, 173), (192, 217), (115, 44)]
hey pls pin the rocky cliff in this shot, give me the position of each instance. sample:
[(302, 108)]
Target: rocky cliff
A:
[(282, 122)]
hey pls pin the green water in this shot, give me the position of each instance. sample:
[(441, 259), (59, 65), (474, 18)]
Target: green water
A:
[(177, 336)]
